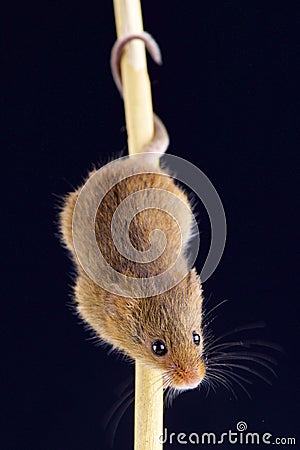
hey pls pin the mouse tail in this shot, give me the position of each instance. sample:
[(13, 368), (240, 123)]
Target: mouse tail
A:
[(160, 141)]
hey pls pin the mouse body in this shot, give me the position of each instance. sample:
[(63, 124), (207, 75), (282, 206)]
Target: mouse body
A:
[(147, 303), (162, 331)]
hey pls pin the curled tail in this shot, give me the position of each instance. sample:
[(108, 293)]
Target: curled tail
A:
[(160, 141)]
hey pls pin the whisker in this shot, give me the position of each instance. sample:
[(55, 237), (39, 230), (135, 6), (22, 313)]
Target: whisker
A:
[(121, 388), (205, 385), (263, 356), (248, 343), (209, 313), (223, 381), (117, 410), (157, 380), (247, 369), (227, 357), (115, 407), (251, 326), (233, 373), (158, 387), (209, 337), (236, 377), (171, 394), (167, 397), (117, 421)]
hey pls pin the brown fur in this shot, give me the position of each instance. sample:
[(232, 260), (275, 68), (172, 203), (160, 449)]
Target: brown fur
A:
[(132, 324)]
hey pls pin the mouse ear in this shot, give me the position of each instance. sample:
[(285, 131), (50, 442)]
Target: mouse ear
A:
[(195, 283)]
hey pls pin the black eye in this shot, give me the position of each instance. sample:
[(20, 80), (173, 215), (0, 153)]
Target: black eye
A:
[(159, 348), (196, 338)]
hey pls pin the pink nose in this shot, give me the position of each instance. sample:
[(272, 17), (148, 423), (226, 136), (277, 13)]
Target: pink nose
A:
[(188, 379), (191, 380)]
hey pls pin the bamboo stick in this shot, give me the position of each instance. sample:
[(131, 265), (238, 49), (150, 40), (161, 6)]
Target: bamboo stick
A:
[(136, 86), (139, 123)]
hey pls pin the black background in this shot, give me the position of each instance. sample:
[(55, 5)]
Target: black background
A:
[(228, 92)]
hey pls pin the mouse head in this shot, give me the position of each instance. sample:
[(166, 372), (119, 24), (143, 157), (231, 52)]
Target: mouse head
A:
[(166, 333)]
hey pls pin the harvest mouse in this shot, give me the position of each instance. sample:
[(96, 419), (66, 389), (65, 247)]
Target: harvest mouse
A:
[(162, 331)]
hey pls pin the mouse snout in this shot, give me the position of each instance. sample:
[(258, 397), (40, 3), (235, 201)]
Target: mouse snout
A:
[(188, 378)]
